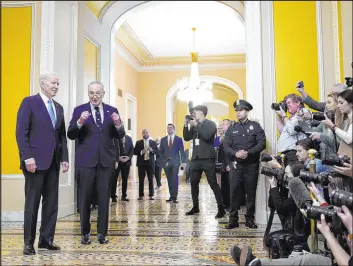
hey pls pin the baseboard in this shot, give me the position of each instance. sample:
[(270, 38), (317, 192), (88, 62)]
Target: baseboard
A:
[(66, 210), (12, 216)]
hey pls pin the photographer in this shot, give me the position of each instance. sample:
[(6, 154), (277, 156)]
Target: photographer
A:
[(245, 257), (202, 131), (302, 148), (319, 106), (343, 131), (291, 218), (289, 137)]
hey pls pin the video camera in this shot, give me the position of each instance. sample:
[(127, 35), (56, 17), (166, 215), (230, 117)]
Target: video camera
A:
[(319, 116), (335, 160), (322, 178)]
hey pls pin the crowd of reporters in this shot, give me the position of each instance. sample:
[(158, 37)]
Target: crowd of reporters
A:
[(310, 182)]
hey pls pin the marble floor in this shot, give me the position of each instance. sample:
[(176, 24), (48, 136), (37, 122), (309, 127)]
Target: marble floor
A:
[(142, 233)]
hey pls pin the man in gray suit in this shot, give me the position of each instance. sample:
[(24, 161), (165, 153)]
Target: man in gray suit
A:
[(171, 149), (202, 131)]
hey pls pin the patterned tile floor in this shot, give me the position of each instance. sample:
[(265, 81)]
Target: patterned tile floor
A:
[(142, 233)]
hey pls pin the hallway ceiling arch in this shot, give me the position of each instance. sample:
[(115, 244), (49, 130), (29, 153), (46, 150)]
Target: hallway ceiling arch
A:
[(157, 33)]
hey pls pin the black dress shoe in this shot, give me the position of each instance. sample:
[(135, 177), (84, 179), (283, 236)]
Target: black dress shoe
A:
[(125, 199), (140, 198), (29, 250), (175, 201), (93, 207), (102, 239), (193, 211), (250, 224), (48, 245), (232, 225), (85, 240), (114, 199), (169, 200), (151, 198), (221, 212)]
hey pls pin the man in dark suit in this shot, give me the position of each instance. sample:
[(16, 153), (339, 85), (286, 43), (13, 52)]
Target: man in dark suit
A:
[(202, 131), (94, 125), (172, 153), (42, 144), (145, 149), (158, 167), (126, 151)]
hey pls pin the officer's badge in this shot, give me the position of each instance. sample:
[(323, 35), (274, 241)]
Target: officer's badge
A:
[(251, 127)]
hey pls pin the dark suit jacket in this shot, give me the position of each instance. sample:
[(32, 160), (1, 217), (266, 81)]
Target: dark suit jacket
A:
[(35, 135), (174, 153), (129, 148), (139, 146), (206, 132), (318, 106), (94, 144)]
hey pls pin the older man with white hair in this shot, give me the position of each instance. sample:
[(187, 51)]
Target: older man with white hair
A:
[(42, 144)]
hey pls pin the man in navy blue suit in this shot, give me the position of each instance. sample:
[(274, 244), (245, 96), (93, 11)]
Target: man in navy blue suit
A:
[(172, 154), (95, 125), (42, 144)]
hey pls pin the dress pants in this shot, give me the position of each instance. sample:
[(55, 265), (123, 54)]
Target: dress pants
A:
[(144, 169), (94, 180), (208, 166), (158, 174), (124, 168), (171, 171), (244, 176), (41, 183), (225, 188)]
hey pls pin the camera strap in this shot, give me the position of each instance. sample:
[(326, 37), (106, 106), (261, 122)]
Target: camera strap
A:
[(269, 224)]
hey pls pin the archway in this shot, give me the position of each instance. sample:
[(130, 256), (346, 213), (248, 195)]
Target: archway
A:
[(218, 80)]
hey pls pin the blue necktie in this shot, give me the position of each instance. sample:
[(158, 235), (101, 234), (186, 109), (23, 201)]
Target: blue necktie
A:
[(51, 113), (98, 117)]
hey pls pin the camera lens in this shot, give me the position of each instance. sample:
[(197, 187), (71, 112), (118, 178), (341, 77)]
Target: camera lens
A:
[(341, 197)]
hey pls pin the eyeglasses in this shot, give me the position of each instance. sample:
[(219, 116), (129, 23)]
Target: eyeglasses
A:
[(98, 93)]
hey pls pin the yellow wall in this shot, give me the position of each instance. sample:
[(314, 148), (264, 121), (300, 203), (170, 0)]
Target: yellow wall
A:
[(126, 79), (152, 91), (90, 62), (296, 51), (16, 33)]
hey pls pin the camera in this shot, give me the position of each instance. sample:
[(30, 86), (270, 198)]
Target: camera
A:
[(267, 158), (349, 81), (322, 178), (319, 116), (276, 106), (335, 160), (189, 117), (341, 197), (277, 173), (300, 84)]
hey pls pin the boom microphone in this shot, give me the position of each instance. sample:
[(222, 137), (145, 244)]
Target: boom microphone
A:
[(300, 193)]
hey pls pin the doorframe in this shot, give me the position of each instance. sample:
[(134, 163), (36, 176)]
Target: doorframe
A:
[(131, 98)]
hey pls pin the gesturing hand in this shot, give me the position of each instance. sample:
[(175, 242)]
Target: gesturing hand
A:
[(84, 116), (116, 119)]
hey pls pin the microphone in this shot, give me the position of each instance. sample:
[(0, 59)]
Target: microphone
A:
[(300, 194)]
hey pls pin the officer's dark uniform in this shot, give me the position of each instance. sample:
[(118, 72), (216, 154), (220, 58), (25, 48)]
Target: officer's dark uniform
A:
[(250, 137), (203, 160)]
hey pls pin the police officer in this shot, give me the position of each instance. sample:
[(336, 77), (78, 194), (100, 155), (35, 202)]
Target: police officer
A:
[(202, 131), (243, 143)]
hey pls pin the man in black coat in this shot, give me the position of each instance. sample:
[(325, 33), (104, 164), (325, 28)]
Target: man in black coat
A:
[(202, 131)]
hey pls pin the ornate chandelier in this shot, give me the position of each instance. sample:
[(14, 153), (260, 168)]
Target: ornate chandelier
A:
[(192, 88)]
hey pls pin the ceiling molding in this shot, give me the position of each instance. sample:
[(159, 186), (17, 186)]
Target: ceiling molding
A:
[(126, 37)]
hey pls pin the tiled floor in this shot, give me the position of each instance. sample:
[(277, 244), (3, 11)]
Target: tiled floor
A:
[(143, 233)]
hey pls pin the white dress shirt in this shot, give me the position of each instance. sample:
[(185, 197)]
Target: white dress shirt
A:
[(45, 100)]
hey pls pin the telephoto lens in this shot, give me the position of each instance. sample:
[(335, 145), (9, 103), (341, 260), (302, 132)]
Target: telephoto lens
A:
[(341, 197)]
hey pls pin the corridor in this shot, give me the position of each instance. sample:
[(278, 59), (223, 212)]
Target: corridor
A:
[(142, 233)]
